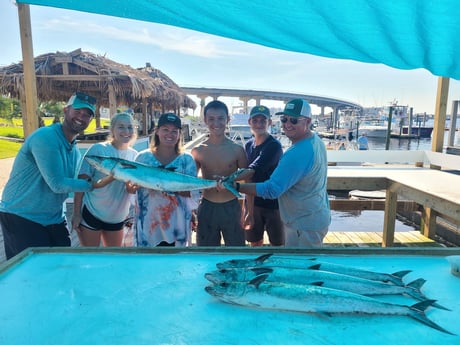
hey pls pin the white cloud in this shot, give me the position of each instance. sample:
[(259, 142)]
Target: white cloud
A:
[(163, 37)]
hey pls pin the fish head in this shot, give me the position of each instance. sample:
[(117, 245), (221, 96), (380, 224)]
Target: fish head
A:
[(103, 164), (244, 263), (227, 290), (229, 274), (236, 263)]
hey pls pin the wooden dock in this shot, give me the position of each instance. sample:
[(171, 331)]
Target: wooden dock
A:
[(366, 239)]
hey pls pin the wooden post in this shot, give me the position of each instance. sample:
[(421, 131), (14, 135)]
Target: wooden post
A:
[(389, 219), (428, 223), (146, 122), (440, 115), (112, 101), (387, 141), (30, 109), (453, 123)]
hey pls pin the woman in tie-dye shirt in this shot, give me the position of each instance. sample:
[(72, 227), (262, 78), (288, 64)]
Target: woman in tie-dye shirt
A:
[(165, 219)]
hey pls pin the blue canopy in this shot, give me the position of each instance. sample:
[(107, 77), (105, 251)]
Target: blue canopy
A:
[(404, 34)]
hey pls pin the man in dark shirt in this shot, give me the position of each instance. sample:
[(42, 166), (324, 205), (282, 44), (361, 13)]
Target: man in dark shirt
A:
[(263, 152)]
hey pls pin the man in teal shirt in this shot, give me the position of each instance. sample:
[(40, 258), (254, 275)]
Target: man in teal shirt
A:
[(43, 175)]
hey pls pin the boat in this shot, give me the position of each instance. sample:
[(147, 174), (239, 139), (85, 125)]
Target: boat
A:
[(377, 128), (420, 132), (240, 131)]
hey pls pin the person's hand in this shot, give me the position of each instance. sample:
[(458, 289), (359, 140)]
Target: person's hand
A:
[(194, 221), (103, 181), (76, 220), (131, 188), (248, 222), (220, 186)]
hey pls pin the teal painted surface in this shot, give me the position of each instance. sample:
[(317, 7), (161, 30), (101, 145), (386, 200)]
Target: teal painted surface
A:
[(112, 298), (404, 34)]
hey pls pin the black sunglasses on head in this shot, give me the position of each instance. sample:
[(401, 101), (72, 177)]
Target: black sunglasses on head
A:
[(293, 120), (85, 98)]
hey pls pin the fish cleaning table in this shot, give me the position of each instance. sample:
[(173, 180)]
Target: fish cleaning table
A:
[(131, 296)]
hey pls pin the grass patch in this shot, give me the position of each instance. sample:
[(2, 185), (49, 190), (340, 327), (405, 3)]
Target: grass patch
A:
[(8, 148), (15, 130)]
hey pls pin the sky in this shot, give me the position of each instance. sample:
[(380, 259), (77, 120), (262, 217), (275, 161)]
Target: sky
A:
[(195, 59)]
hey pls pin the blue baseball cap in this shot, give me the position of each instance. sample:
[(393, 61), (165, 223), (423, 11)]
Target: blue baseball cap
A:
[(80, 100)]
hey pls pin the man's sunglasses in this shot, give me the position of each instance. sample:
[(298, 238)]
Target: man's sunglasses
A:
[(293, 120), (85, 98)]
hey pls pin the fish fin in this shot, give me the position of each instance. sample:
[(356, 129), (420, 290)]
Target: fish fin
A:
[(262, 258), (258, 280), (417, 283), (316, 283), (396, 278), (127, 165), (229, 186), (173, 169), (417, 312), (261, 270), (323, 314), (315, 267)]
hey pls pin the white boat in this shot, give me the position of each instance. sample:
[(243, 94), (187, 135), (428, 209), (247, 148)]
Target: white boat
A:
[(374, 128), (240, 131)]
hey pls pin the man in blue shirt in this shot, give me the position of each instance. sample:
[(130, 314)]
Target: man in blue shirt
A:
[(299, 181), (43, 174), (363, 142)]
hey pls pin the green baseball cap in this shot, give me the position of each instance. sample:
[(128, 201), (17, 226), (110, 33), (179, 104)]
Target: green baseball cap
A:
[(80, 100), (260, 110), (296, 108)]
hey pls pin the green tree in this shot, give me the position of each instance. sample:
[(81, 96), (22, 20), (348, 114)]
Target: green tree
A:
[(51, 108), (9, 108)]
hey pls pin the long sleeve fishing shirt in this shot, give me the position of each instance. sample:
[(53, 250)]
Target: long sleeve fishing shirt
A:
[(42, 177), (300, 184)]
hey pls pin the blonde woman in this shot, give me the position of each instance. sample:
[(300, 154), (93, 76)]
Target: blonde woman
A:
[(99, 215), (164, 219)]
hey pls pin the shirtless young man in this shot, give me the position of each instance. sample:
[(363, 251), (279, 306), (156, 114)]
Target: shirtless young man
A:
[(219, 212)]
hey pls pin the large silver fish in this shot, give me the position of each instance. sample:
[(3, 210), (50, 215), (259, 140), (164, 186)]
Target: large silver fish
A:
[(326, 279), (312, 299), (279, 261), (155, 178)]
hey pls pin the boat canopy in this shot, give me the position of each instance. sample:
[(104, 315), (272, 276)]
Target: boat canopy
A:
[(403, 34)]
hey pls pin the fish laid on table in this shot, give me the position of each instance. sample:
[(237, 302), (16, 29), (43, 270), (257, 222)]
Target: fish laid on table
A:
[(154, 177), (327, 279), (312, 299), (279, 261)]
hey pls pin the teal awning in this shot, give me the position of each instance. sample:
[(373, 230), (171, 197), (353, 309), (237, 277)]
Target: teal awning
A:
[(404, 34)]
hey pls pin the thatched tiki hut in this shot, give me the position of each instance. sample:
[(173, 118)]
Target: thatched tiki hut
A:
[(59, 74), (171, 93)]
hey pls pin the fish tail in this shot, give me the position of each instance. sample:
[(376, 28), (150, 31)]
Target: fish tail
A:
[(414, 292), (417, 312), (229, 186)]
